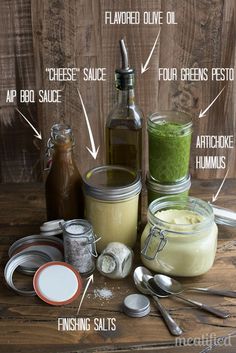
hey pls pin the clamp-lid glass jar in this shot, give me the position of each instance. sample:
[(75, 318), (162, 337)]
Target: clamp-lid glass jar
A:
[(180, 238), (79, 245), (111, 203), (169, 135), (156, 190)]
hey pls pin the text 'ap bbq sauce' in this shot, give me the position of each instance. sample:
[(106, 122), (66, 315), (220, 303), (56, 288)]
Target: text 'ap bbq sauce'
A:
[(64, 197)]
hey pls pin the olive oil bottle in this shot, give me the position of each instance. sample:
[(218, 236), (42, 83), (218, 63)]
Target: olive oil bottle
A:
[(124, 123)]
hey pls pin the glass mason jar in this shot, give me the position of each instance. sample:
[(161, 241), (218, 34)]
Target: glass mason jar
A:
[(111, 203), (180, 237), (156, 190), (169, 135), (79, 245)]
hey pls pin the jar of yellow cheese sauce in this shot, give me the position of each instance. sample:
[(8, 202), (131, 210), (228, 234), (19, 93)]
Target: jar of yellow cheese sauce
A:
[(111, 204), (180, 237)]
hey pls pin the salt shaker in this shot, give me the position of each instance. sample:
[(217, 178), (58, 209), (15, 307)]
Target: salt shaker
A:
[(115, 261), (79, 245)]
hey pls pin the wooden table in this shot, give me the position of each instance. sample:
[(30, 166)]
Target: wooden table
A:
[(29, 325)]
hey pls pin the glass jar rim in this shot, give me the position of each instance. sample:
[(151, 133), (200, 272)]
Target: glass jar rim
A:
[(170, 202), (171, 116), (87, 228), (105, 192), (168, 189)]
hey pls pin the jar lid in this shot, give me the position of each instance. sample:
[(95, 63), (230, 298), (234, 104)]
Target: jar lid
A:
[(19, 259), (168, 189), (224, 216), (49, 286), (136, 305), (112, 183), (51, 227), (51, 246)]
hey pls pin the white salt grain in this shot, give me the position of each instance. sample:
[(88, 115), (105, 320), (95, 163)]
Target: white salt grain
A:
[(75, 229), (103, 293)]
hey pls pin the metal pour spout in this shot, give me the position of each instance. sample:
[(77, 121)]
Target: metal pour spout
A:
[(124, 55)]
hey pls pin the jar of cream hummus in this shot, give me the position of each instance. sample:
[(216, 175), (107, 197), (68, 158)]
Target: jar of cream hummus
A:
[(180, 238), (111, 204)]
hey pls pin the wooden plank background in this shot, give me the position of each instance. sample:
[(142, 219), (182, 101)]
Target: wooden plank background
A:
[(71, 33)]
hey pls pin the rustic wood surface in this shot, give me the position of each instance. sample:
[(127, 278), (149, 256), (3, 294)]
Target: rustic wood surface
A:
[(29, 325), (71, 33), (19, 149)]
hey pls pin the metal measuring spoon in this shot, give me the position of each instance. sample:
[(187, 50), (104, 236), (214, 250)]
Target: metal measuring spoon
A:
[(140, 285), (166, 285), (178, 288)]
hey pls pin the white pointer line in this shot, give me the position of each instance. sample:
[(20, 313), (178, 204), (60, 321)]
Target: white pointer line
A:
[(38, 134), (94, 151), (144, 67), (90, 279), (203, 113), (214, 197)]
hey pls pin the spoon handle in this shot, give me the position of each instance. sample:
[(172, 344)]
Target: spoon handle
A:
[(205, 307), (170, 322), (223, 293)]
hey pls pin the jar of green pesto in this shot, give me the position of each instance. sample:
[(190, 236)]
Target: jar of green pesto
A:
[(156, 190), (169, 134)]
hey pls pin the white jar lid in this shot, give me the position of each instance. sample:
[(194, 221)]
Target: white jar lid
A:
[(51, 227), (57, 283)]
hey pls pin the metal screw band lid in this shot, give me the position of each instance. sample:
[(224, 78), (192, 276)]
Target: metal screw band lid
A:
[(168, 189), (51, 246), (18, 260), (112, 183)]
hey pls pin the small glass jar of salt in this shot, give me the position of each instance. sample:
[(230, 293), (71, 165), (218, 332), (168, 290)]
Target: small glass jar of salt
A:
[(79, 245), (115, 261)]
